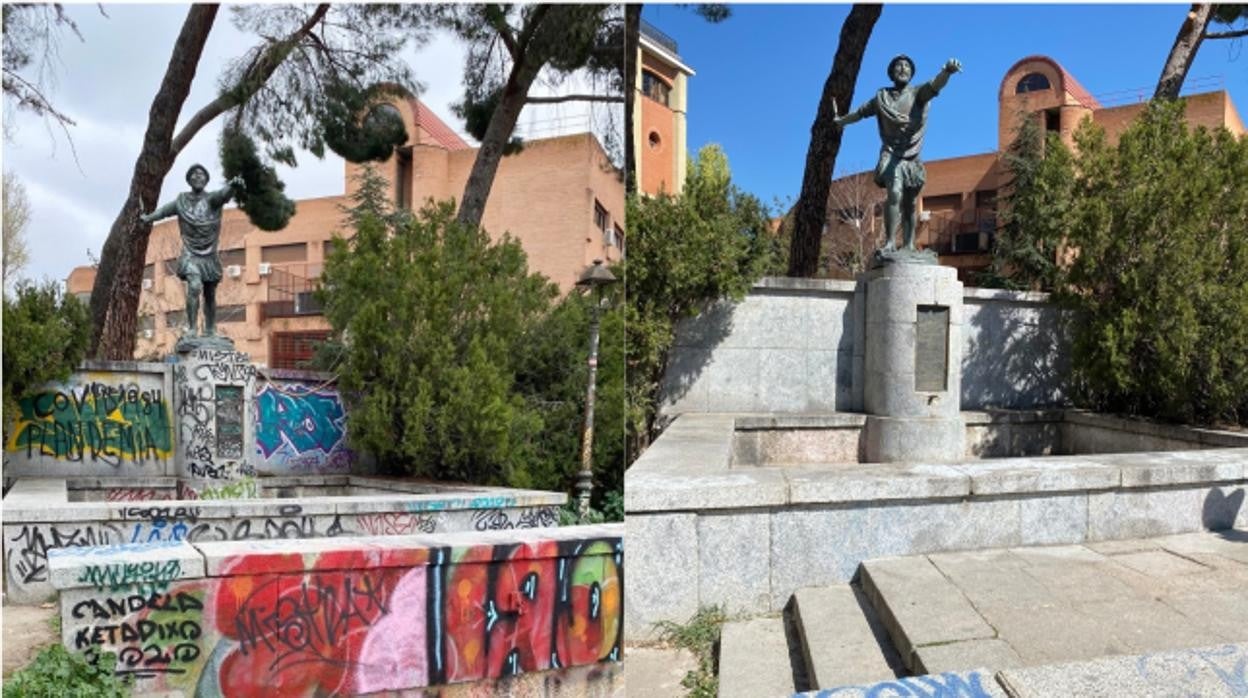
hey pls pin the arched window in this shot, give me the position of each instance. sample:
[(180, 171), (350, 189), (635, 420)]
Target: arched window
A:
[(1032, 82), (653, 87)]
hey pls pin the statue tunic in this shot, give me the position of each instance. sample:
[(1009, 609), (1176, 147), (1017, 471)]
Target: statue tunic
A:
[(199, 222)]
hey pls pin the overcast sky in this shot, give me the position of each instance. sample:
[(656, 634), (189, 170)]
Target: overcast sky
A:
[(106, 84)]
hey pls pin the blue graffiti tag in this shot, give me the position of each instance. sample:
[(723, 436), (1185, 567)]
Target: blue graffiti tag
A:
[(947, 685), (304, 419)]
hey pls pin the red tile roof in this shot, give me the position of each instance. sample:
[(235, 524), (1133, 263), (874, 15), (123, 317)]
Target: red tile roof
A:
[(1069, 83), (435, 127)]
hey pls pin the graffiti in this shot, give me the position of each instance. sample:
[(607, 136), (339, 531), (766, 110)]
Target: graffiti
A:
[(245, 488), (28, 559), (363, 621), (97, 422), (158, 513), (498, 519), (484, 502), (273, 528), (225, 471), (112, 549), (1172, 670), (153, 635), (301, 428), (397, 523), (119, 607), (145, 575), (222, 367), (947, 685), (135, 494)]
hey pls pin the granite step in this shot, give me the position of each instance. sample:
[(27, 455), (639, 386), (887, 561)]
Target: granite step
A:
[(842, 638), (754, 659), (926, 615)]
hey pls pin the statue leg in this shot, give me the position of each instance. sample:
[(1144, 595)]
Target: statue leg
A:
[(193, 288), (892, 213), (210, 309), (908, 217)]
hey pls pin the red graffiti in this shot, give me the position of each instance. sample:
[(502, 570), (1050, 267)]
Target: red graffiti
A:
[(135, 494)]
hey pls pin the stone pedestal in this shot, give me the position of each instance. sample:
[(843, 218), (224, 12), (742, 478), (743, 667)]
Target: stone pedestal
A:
[(214, 391), (913, 375)]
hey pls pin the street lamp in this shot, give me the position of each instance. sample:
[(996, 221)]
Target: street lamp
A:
[(595, 278)]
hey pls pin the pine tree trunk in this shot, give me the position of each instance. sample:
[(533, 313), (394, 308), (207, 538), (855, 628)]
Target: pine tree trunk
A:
[(1183, 52), (115, 295), (825, 140), (632, 41)]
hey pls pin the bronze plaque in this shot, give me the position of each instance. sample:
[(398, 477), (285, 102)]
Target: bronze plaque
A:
[(931, 349)]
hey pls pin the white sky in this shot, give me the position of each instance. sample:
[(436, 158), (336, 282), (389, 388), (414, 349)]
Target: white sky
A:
[(106, 83)]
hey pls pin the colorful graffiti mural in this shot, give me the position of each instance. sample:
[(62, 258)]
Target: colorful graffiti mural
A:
[(110, 423), (301, 429), (360, 621)]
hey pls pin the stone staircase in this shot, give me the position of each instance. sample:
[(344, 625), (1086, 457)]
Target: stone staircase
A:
[(827, 636)]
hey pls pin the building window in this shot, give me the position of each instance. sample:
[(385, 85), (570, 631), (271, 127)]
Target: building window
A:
[(284, 254), (149, 272), (235, 257), (403, 178), (171, 266), (147, 323), (175, 318), (294, 349), (602, 221), (655, 87), (655, 141), (231, 313), (1032, 82), (616, 239), (986, 199)]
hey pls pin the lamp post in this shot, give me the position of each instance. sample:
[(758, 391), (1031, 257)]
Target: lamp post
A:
[(593, 279)]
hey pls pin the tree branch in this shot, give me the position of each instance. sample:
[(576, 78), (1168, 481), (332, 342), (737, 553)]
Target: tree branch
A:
[(1227, 35), (268, 64), (618, 99)]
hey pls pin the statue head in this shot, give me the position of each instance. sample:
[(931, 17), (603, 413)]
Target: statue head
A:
[(202, 179), (901, 69)]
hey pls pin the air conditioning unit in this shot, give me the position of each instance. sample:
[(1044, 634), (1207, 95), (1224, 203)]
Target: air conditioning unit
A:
[(265, 268), (234, 271), (147, 284), (148, 334)]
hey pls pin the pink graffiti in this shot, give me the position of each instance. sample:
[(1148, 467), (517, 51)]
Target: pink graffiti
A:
[(135, 494), (397, 523)]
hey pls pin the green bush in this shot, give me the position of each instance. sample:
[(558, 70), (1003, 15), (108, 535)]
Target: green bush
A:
[(712, 241), (1158, 283), (46, 333), (55, 673)]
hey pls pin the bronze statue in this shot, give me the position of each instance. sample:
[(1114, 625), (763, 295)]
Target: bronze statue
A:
[(199, 222), (901, 113)]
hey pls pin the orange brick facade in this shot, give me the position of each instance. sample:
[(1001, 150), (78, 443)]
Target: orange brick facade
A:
[(560, 197), (959, 199), (659, 120)]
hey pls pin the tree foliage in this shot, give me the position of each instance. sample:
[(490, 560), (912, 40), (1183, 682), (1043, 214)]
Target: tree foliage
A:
[(453, 360), (685, 252), (1036, 204), (45, 338), (508, 47), (1158, 284), (31, 38), (16, 218)]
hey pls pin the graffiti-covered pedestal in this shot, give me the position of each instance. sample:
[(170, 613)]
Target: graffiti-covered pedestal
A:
[(214, 391)]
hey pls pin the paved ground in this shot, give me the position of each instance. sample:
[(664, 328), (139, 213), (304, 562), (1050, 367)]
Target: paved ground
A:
[(27, 629), (655, 671), (1026, 607)]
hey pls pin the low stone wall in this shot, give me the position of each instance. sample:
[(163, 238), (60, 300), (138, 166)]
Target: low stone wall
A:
[(38, 517), (330, 617), (705, 532), (797, 346), (119, 419)]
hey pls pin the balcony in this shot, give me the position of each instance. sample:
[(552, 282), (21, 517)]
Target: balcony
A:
[(292, 291)]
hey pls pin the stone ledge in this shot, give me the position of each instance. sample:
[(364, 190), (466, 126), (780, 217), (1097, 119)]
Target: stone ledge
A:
[(882, 482), (982, 417), (1205, 437), (787, 283), (123, 565), (1045, 474), (830, 420), (1201, 671)]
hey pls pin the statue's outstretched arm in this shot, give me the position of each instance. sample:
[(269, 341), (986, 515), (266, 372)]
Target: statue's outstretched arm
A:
[(161, 213), (231, 189), (951, 66), (867, 109)]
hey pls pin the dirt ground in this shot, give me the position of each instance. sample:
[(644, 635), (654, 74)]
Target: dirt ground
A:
[(27, 629)]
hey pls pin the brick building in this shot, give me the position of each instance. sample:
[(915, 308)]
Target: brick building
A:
[(959, 202), (560, 197), (659, 117)]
